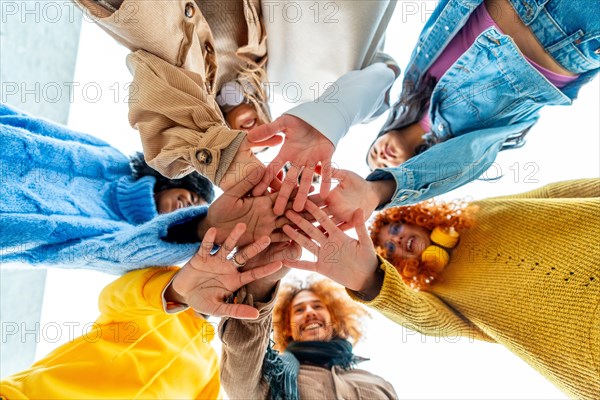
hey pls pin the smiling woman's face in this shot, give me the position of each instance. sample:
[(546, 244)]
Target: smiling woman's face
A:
[(387, 151), (243, 117), (403, 241), (169, 200)]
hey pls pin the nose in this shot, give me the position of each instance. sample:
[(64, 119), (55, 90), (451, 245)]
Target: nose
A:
[(309, 311)]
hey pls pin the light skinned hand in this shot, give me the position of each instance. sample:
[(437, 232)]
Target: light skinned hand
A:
[(351, 193), (304, 147), (206, 281), (339, 257)]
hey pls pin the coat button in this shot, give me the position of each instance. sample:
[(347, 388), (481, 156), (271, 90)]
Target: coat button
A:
[(403, 197), (203, 156), (190, 10)]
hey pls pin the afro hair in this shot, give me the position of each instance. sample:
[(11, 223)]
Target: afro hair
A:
[(193, 182)]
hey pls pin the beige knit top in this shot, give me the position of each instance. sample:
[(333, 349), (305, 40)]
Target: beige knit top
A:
[(526, 276)]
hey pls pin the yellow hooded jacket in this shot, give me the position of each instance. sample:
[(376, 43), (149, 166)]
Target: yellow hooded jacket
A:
[(135, 350)]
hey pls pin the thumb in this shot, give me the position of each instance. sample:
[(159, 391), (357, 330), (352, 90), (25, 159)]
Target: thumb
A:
[(266, 131), (358, 219), (339, 174)]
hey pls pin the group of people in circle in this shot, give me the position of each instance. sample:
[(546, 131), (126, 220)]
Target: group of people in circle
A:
[(203, 115)]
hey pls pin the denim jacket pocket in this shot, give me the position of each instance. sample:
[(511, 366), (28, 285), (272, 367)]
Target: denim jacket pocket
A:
[(490, 85)]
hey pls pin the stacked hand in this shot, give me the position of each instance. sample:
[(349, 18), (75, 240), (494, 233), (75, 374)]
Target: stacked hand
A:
[(207, 280), (349, 262), (305, 148)]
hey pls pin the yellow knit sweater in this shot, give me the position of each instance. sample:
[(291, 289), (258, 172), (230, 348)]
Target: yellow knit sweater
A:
[(527, 275), (134, 351)]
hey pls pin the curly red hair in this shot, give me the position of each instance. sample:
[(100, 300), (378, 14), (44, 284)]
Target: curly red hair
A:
[(428, 214), (346, 315)]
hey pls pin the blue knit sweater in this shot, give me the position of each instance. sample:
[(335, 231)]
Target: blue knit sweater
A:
[(67, 199)]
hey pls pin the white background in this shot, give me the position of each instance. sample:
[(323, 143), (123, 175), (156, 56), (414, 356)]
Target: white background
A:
[(563, 145)]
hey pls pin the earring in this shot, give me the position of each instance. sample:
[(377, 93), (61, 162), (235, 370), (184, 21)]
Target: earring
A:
[(436, 256)]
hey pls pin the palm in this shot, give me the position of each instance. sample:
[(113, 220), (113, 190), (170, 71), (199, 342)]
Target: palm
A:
[(351, 193), (304, 147), (219, 279), (336, 257), (256, 212), (233, 206), (207, 280), (339, 257)]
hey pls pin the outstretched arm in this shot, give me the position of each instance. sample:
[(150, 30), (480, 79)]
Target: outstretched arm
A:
[(372, 280), (313, 129)]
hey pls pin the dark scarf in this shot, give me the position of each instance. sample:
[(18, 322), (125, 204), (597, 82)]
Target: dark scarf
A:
[(281, 370)]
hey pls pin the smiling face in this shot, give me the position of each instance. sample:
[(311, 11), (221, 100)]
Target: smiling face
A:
[(309, 318), (387, 151), (170, 200), (403, 241), (243, 117)]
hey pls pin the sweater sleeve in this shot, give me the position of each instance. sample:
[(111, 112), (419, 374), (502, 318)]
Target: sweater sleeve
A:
[(356, 97), (180, 124), (131, 247), (244, 345), (577, 188), (135, 294), (419, 311)]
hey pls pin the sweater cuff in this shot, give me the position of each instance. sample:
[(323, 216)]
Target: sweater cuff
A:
[(154, 288), (391, 280), (356, 97), (169, 307), (264, 308), (135, 199), (226, 157)]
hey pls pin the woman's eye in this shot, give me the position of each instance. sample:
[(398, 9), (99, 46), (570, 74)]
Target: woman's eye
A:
[(390, 247), (395, 229)]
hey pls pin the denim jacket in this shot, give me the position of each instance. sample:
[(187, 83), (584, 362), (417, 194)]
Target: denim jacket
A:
[(491, 93)]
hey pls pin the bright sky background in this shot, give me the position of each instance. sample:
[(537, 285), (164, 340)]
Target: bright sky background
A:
[(563, 145)]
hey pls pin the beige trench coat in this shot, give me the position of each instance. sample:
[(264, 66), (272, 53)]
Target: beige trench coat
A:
[(174, 67)]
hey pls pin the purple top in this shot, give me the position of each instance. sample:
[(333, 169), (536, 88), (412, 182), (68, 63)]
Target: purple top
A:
[(479, 21)]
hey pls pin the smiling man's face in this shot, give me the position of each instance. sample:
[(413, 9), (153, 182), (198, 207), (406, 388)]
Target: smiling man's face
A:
[(309, 318)]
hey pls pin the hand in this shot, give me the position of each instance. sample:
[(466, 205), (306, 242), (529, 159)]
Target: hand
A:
[(261, 289), (351, 193), (206, 281), (234, 206), (349, 262), (305, 147), (245, 163)]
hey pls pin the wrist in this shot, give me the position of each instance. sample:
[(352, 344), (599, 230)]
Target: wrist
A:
[(381, 191), (172, 296), (202, 227), (372, 286)]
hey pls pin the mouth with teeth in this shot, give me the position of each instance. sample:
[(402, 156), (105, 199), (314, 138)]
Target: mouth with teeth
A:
[(409, 244), (312, 326)]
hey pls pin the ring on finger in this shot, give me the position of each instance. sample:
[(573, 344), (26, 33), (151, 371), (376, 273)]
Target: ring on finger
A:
[(236, 262)]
